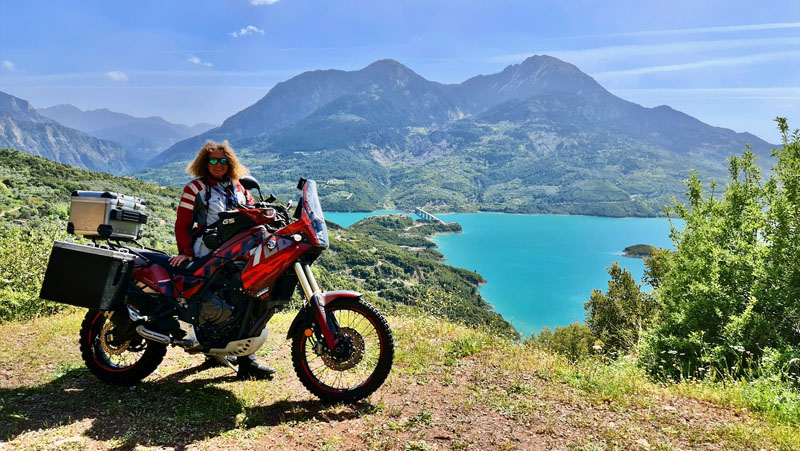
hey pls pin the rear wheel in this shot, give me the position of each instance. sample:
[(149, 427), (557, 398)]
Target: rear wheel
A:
[(114, 359), (361, 362)]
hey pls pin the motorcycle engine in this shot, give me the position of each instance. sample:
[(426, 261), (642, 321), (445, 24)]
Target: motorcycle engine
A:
[(215, 311), (222, 309)]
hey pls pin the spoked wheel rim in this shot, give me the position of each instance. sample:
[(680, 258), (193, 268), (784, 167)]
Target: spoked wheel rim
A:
[(112, 353), (353, 368)]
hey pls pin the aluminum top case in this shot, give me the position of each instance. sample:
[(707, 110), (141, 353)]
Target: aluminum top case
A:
[(103, 214), (94, 277)]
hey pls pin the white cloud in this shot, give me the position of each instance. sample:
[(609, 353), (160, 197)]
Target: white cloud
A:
[(195, 60), (715, 62), (263, 2), (753, 27), (8, 64), (116, 75), (250, 29), (783, 93), (627, 52)]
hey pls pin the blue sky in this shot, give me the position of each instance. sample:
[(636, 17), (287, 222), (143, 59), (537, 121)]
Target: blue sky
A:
[(734, 64)]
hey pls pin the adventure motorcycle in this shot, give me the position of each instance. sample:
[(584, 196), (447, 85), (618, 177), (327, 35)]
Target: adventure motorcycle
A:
[(342, 347)]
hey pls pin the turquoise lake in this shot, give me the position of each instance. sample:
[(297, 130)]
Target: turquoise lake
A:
[(540, 269)]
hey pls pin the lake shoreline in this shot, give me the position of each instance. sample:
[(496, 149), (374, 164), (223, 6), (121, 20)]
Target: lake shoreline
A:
[(411, 213), (539, 269)]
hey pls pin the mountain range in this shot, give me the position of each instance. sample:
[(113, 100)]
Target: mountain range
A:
[(540, 136), (142, 138), (23, 128)]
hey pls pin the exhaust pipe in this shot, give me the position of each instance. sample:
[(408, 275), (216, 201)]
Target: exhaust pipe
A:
[(153, 336), (161, 338), (135, 316)]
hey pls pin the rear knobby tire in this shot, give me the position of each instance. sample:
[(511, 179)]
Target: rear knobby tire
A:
[(361, 374), (120, 363)]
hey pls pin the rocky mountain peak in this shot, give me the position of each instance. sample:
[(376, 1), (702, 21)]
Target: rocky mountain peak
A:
[(391, 72), (19, 109), (387, 63), (61, 108)]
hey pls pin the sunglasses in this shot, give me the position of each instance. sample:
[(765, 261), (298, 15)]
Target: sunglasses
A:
[(222, 161)]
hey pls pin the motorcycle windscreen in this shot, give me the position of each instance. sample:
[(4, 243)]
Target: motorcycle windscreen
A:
[(313, 210)]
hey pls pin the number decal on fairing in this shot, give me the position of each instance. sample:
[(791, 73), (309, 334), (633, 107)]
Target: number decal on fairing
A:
[(272, 245)]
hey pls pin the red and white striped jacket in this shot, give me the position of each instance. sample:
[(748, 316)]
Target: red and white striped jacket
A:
[(194, 192)]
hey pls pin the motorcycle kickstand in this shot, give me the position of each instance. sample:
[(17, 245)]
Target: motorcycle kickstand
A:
[(225, 362)]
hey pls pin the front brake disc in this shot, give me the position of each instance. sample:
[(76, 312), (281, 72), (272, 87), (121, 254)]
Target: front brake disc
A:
[(355, 355)]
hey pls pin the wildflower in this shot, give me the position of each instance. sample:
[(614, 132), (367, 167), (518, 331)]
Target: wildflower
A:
[(672, 352), (738, 348)]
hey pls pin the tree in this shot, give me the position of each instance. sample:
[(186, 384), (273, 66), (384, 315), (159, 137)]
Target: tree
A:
[(618, 317)]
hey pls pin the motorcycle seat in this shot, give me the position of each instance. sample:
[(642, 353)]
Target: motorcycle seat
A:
[(186, 268)]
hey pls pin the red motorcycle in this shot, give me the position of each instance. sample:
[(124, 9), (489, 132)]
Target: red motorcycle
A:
[(342, 347)]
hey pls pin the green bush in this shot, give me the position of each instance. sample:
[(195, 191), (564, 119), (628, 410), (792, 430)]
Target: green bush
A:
[(24, 252), (575, 341), (730, 292)]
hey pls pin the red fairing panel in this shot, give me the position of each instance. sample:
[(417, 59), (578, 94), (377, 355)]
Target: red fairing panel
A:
[(154, 276), (268, 261), (240, 246), (302, 225), (187, 286)]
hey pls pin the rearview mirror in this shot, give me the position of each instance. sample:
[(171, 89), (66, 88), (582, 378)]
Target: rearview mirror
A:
[(250, 183)]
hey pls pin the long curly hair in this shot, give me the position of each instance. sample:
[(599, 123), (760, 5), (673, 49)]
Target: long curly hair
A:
[(199, 167)]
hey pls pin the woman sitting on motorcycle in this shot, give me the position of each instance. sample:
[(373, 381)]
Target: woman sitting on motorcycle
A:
[(215, 189)]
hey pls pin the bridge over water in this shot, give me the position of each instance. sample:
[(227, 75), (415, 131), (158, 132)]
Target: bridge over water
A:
[(425, 215)]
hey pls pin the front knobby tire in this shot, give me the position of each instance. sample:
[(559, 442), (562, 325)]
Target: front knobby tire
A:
[(119, 362), (366, 368)]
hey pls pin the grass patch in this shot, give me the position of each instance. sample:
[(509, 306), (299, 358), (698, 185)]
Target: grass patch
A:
[(50, 397)]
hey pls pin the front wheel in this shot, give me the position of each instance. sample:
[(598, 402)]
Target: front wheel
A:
[(115, 359), (354, 372)]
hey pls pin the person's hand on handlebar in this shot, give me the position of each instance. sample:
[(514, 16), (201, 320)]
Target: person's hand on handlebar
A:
[(177, 260)]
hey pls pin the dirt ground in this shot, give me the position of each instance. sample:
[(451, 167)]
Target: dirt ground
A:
[(48, 400)]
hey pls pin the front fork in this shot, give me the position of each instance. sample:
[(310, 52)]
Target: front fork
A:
[(327, 323)]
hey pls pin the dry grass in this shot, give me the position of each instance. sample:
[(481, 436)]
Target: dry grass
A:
[(451, 388)]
